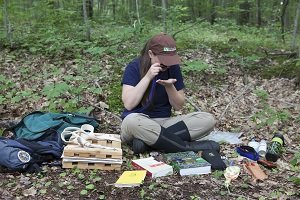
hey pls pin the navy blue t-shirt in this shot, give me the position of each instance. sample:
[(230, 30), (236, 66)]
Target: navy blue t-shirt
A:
[(160, 101)]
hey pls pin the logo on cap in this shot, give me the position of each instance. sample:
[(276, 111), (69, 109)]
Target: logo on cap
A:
[(169, 49)]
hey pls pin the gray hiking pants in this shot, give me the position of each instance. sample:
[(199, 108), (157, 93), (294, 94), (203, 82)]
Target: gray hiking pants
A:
[(138, 125)]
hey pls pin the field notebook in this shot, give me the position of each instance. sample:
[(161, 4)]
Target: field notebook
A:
[(131, 178), (188, 163)]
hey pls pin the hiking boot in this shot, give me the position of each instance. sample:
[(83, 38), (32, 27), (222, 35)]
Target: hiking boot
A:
[(138, 146)]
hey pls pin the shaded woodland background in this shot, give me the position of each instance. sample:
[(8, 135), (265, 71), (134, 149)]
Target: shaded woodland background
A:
[(240, 61), (89, 29)]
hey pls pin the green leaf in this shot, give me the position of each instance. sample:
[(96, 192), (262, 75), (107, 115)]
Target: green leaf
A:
[(55, 90), (43, 191), (63, 174), (90, 186), (142, 193), (70, 187), (151, 186), (83, 192), (2, 99), (80, 176), (102, 196), (295, 180), (96, 179), (48, 183), (16, 99)]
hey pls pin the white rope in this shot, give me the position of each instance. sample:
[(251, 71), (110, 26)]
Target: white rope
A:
[(79, 136)]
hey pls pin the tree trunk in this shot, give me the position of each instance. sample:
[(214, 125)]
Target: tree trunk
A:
[(114, 9), (164, 14), (89, 8), (258, 13), (86, 21), (7, 23), (213, 13), (296, 26), (283, 9), (60, 4), (152, 12), (244, 13), (137, 11)]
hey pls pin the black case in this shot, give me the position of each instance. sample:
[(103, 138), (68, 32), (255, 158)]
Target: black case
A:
[(214, 158)]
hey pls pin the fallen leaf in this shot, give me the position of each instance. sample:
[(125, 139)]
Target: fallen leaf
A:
[(30, 192)]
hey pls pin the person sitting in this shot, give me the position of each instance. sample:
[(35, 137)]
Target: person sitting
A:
[(152, 84)]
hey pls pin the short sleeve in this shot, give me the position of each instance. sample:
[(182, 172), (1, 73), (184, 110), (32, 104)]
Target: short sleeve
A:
[(131, 74), (175, 72)]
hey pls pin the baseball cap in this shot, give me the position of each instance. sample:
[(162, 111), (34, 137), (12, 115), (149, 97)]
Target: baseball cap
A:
[(164, 47)]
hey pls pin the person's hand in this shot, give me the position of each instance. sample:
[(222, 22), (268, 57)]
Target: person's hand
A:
[(166, 83), (153, 70)]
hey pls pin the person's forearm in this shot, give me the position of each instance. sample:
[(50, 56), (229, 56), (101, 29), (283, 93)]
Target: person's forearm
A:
[(132, 97), (176, 98)]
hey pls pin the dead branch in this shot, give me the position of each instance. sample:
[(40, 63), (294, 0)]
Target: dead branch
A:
[(190, 102), (192, 25), (95, 106), (275, 54), (231, 102)]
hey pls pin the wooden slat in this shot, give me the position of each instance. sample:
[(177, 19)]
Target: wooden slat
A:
[(72, 150), (101, 166)]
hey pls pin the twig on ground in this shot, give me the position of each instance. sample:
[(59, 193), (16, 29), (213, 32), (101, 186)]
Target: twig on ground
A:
[(292, 151), (233, 100), (190, 101), (95, 106), (291, 105)]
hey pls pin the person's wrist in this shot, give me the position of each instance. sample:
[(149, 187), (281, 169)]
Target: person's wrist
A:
[(169, 86), (148, 77)]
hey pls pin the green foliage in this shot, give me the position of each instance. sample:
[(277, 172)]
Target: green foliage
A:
[(1, 131), (295, 162), (295, 180), (268, 115), (217, 174), (142, 193), (90, 186), (114, 99), (83, 192), (194, 197), (198, 66)]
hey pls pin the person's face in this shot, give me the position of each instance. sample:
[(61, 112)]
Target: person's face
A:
[(154, 58)]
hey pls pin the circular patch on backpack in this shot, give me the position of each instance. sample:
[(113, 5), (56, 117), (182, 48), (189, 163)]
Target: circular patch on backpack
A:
[(24, 157)]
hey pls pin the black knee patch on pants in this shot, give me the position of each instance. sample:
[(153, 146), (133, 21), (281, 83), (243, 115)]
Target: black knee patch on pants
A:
[(179, 129), (168, 142)]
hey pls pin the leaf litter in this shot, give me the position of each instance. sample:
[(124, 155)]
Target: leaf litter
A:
[(232, 100)]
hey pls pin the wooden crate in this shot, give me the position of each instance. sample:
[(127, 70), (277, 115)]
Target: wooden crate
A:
[(76, 151), (101, 166)]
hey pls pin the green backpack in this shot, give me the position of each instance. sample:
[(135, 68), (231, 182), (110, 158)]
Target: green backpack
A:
[(37, 124)]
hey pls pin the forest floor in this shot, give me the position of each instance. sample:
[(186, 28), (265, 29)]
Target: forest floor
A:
[(234, 98)]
